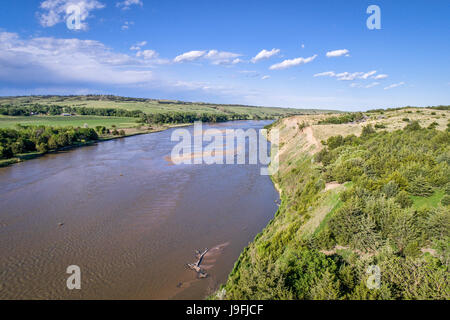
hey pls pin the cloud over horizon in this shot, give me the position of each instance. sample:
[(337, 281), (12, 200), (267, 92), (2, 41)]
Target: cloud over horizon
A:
[(292, 62), (350, 76), (214, 56), (265, 54), (394, 85)]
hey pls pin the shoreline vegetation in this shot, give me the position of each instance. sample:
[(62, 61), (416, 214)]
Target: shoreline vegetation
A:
[(358, 192), (21, 157)]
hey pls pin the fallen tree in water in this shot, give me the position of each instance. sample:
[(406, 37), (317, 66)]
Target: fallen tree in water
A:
[(196, 266)]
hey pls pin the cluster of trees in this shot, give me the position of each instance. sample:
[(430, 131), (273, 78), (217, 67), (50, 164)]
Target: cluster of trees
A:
[(440, 108), (345, 118), (11, 110), (26, 139), (102, 130), (374, 222), (189, 117)]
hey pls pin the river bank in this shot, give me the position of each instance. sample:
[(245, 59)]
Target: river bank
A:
[(128, 219), (32, 155)]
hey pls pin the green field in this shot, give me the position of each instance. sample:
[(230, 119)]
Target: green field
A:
[(153, 106), (74, 121)]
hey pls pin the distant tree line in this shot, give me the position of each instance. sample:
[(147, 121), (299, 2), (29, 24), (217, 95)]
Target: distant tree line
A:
[(440, 107), (345, 118), (25, 139), (159, 118), (11, 110), (189, 117)]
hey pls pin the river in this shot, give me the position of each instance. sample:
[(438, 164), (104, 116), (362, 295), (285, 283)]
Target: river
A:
[(128, 218)]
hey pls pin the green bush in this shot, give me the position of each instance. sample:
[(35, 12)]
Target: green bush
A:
[(420, 187), (403, 199), (446, 200)]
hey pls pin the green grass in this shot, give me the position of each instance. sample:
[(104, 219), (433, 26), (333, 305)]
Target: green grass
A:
[(61, 121), (336, 203), (429, 202)]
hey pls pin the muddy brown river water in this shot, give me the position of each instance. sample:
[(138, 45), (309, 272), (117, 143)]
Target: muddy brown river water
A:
[(129, 219)]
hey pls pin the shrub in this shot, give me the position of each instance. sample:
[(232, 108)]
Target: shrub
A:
[(367, 130), (446, 200), (433, 125), (413, 126), (6, 152), (334, 142), (403, 199), (42, 147), (390, 189)]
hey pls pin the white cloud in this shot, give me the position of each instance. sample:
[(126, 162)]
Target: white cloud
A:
[(292, 62), (394, 85), (125, 5), (337, 53), (222, 57), (54, 11), (250, 73), (147, 54), (371, 85), (347, 76), (214, 56), (265, 77), (189, 56), (325, 74), (380, 76), (265, 54), (138, 46), (73, 65), (368, 74), (68, 61)]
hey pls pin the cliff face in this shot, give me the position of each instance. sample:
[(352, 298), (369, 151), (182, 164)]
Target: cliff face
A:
[(364, 212)]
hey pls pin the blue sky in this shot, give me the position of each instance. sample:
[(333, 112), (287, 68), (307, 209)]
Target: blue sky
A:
[(305, 54)]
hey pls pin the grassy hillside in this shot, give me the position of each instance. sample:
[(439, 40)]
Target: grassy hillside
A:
[(369, 191)]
